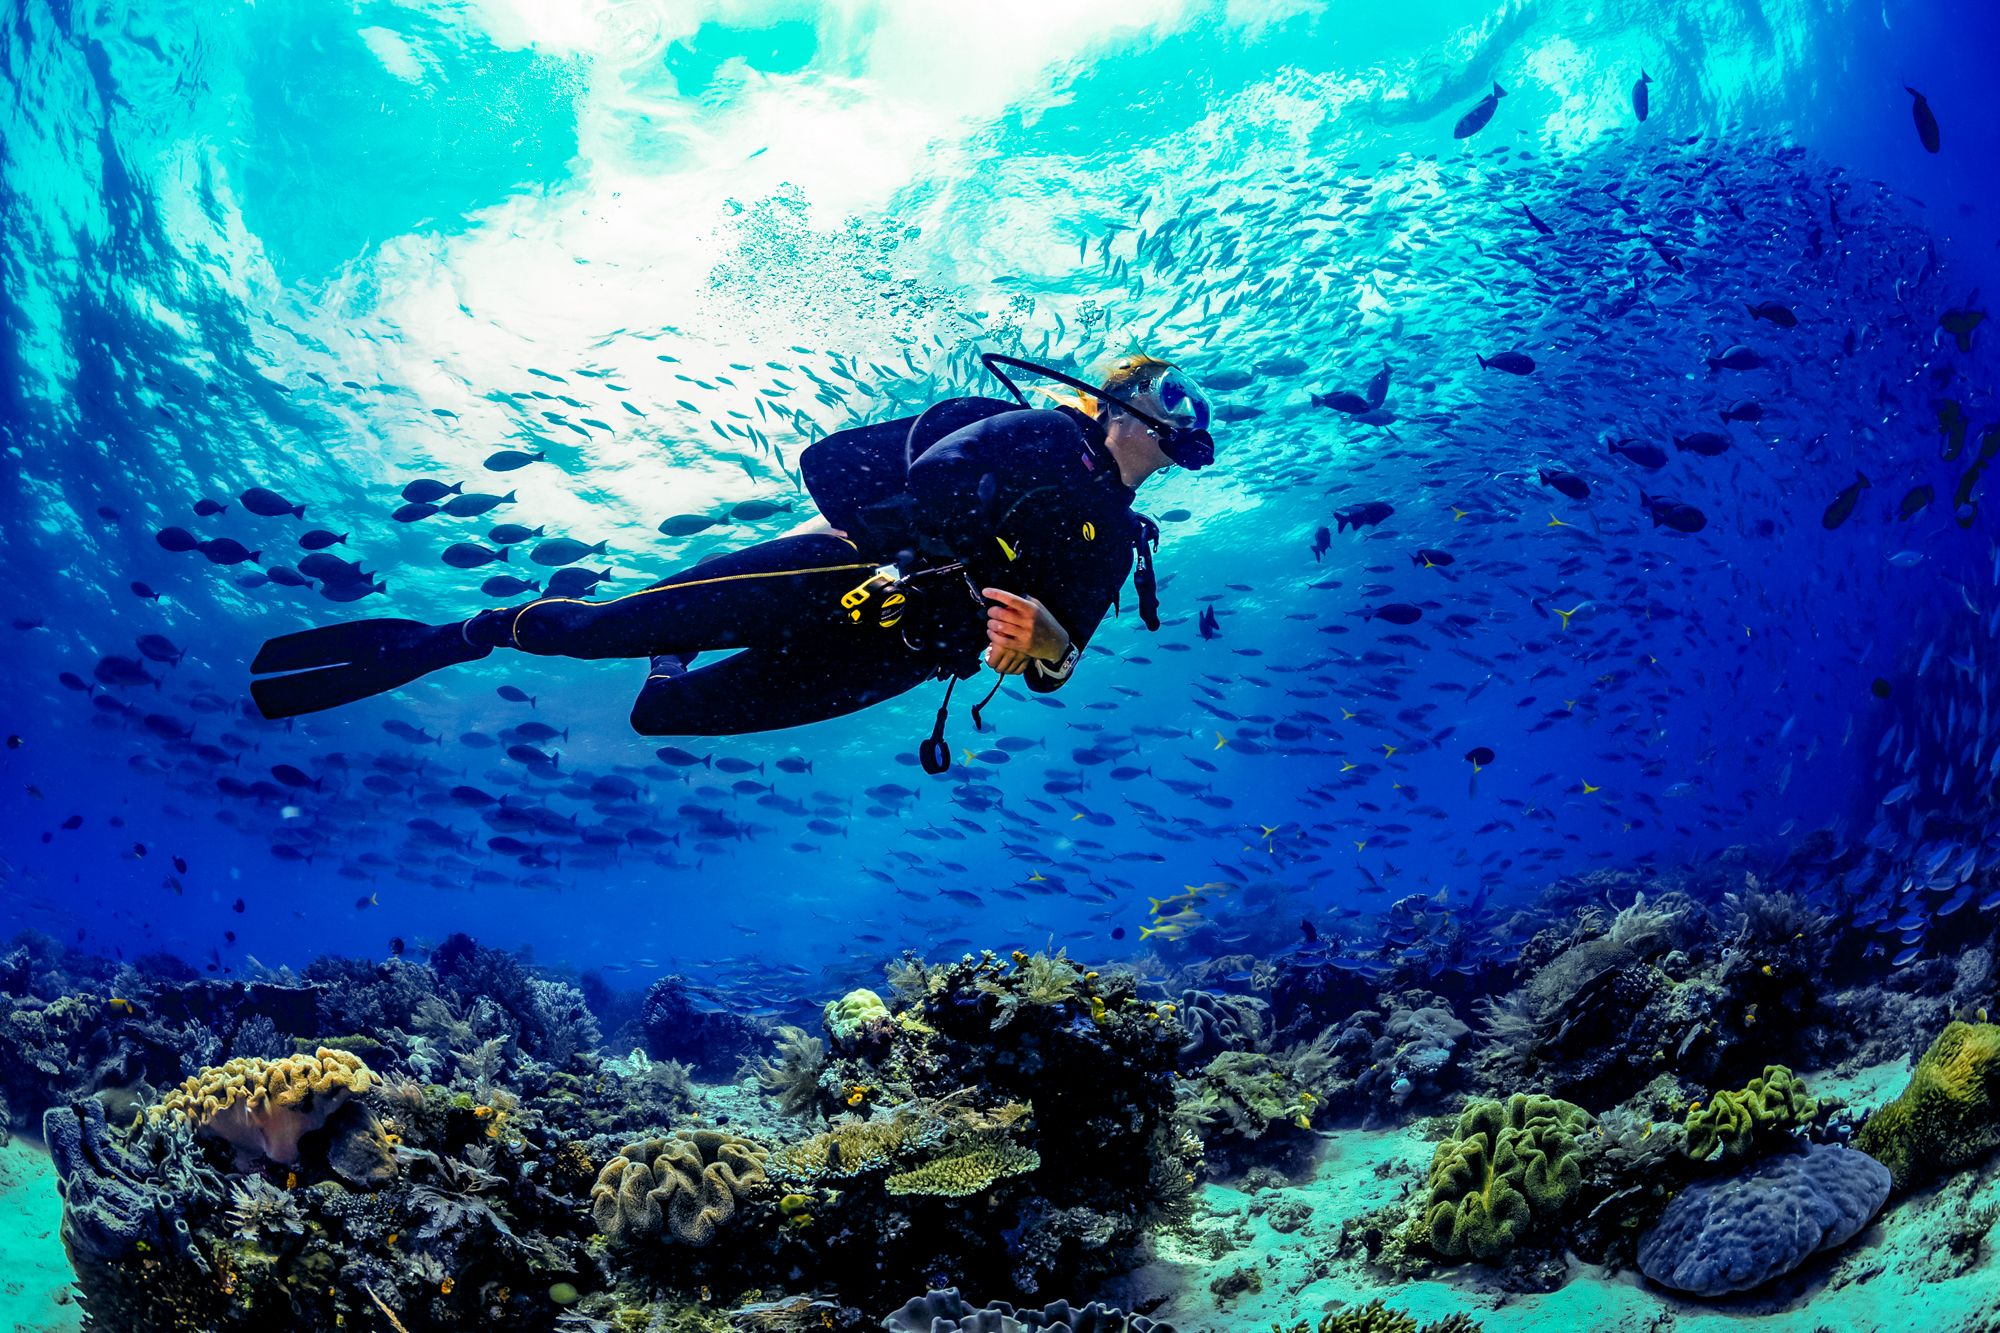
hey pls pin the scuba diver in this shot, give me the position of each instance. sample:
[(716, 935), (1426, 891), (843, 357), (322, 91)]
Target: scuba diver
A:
[(979, 527)]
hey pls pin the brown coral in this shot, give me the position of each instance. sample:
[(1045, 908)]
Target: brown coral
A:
[(262, 1108), (681, 1188)]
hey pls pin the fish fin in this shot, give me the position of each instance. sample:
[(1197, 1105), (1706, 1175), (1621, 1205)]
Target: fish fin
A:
[(1498, 91)]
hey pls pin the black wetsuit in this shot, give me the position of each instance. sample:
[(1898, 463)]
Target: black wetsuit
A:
[(1029, 500)]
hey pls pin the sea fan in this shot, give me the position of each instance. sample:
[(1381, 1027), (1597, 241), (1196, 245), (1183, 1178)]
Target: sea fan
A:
[(794, 1077)]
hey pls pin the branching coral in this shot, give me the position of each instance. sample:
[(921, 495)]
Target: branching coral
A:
[(262, 1108), (680, 1188), (967, 1169), (1730, 1124), (1948, 1116), (1377, 1317), (1507, 1167)]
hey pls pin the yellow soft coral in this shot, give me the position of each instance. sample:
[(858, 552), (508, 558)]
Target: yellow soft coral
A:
[(1949, 1115), (262, 1108)]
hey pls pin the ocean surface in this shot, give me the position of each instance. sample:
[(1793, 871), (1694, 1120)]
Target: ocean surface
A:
[(1603, 396)]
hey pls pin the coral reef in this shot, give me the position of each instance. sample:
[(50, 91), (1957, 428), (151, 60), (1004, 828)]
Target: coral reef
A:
[(678, 1188), (1506, 1168), (710, 1041), (945, 1311), (1774, 1103), (1377, 1317), (857, 1021), (1739, 1232), (1948, 1116)]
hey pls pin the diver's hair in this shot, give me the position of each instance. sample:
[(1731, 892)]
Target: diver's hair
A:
[(1128, 377), (1134, 373)]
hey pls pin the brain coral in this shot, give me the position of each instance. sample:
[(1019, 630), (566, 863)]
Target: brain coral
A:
[(1949, 1116), (1728, 1125), (262, 1108), (1506, 1166), (965, 1171), (1722, 1236), (682, 1187)]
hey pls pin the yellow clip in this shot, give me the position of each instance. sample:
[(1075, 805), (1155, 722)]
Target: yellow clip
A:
[(1005, 549), (1090, 532)]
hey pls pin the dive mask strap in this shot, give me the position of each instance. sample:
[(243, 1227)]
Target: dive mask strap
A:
[(1191, 447)]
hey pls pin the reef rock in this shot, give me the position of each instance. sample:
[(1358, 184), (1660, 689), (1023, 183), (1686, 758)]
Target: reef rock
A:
[(1736, 1233), (946, 1312)]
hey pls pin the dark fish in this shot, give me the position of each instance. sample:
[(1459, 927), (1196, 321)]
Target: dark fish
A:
[(529, 755), (686, 525), (507, 460), (1473, 121), (1362, 515), (1322, 542), (269, 504), (1744, 409), (1673, 514), (159, 648), (1704, 442), (319, 539), (1396, 613), (575, 582), (475, 504), (1649, 456), (1575, 487), (514, 694), (470, 555), (176, 540), (287, 577), (679, 758), (1344, 400), (207, 508), (1843, 504), (1641, 104), (1915, 502), (414, 511), (144, 591), (1737, 357), (1535, 222), (750, 511), (564, 551), (294, 777), (1206, 623), (1927, 126), (331, 568), (1777, 314), (506, 585), (1959, 323), (506, 534), (1514, 363), (426, 489), (1479, 756), (1879, 688), (228, 551)]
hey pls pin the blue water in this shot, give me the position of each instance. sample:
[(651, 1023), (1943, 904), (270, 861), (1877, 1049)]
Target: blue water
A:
[(330, 250)]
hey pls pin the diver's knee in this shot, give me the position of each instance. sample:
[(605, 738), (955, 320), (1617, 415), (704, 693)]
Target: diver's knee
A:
[(649, 719)]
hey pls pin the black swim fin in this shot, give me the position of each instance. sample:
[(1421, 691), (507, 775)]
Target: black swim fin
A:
[(338, 664)]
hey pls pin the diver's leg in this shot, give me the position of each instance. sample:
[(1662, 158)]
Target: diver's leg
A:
[(763, 689), (757, 597)]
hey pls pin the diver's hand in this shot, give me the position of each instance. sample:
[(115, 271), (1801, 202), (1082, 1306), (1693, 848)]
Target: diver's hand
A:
[(1018, 630)]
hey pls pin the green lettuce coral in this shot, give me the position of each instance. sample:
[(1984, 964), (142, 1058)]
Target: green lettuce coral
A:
[(1730, 1124), (1949, 1115), (1506, 1167)]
